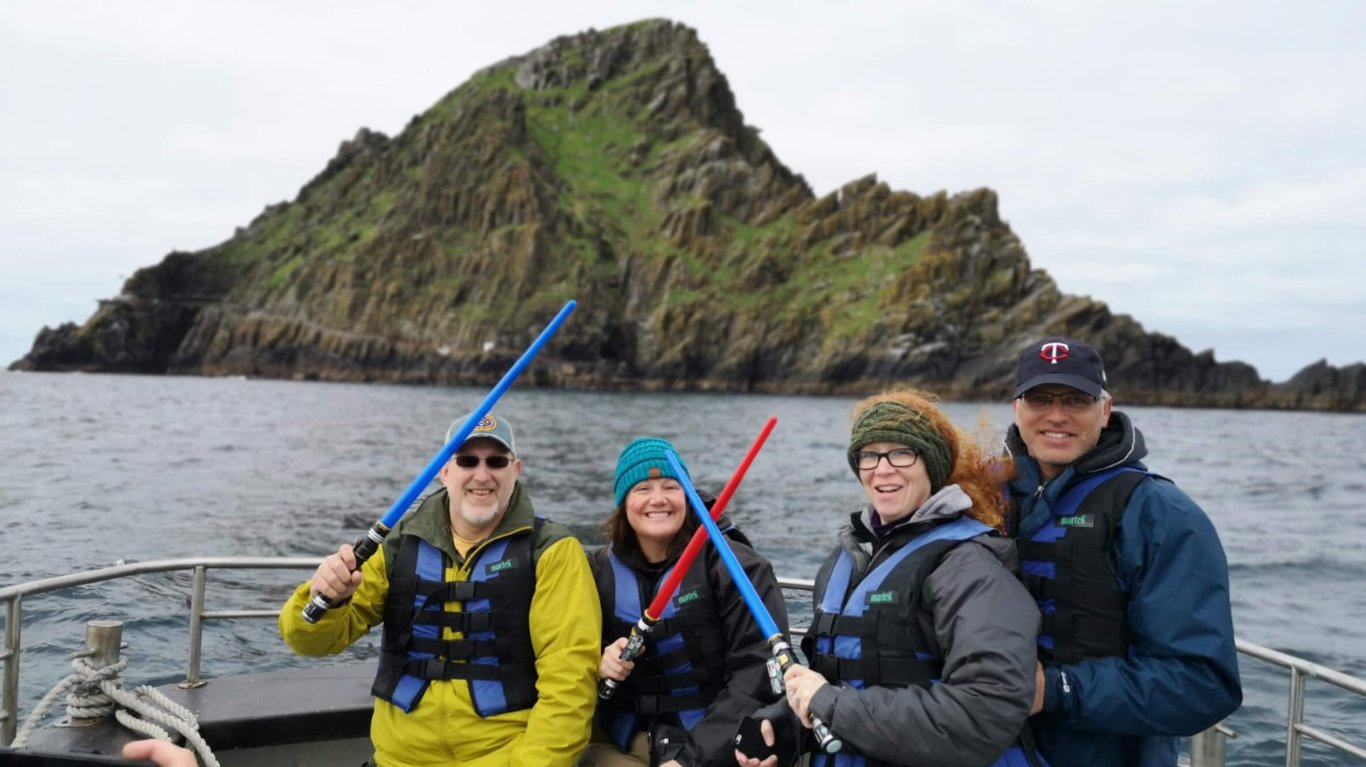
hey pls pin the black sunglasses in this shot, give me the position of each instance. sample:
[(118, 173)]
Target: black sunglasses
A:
[(492, 461)]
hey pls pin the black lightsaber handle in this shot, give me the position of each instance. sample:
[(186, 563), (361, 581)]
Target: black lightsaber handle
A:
[(364, 548), (826, 740), (635, 645)]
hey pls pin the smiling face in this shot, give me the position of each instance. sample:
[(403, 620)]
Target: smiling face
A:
[(894, 492), (1057, 435), (479, 495), (655, 510)]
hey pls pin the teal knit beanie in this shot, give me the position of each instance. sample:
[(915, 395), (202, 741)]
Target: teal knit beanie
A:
[(891, 421), (644, 459)]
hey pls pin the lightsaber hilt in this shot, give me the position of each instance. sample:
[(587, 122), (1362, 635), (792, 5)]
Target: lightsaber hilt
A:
[(783, 658), (635, 645), (364, 548)]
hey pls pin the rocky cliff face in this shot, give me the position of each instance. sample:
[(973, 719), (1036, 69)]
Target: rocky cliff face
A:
[(614, 167)]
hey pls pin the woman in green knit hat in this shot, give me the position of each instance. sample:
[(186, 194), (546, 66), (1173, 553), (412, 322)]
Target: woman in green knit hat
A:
[(922, 644), (703, 669)]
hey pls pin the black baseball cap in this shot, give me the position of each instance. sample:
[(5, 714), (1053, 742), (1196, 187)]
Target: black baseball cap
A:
[(1060, 361)]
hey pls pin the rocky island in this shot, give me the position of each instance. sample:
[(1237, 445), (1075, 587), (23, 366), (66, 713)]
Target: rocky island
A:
[(614, 167)]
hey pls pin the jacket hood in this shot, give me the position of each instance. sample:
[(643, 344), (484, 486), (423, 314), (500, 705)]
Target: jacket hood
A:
[(1005, 550), (1120, 444), (944, 506)]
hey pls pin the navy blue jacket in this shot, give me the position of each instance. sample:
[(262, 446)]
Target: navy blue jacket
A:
[(1181, 676)]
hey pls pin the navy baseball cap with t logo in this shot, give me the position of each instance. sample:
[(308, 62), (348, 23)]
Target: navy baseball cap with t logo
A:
[(1060, 361)]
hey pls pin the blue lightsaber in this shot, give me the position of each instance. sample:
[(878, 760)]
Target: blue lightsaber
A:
[(782, 651), (368, 544)]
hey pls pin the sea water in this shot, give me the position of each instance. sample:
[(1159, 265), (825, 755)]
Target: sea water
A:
[(97, 470)]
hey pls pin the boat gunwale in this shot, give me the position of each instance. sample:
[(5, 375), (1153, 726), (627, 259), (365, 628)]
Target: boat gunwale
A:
[(12, 596)]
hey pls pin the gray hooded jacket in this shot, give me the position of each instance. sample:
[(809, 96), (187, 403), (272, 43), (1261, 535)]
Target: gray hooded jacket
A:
[(984, 624)]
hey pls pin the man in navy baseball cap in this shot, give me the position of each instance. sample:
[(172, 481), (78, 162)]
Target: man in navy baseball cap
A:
[(1128, 572)]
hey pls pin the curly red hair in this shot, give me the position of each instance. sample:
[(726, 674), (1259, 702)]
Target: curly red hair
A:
[(980, 475)]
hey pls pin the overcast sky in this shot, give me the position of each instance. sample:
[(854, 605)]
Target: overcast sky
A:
[(1199, 166)]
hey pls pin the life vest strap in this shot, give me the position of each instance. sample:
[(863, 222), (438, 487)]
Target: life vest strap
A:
[(440, 668), (1045, 551), (470, 622), (466, 649), (1097, 629), (879, 672), (830, 624), (650, 705), (465, 591), (662, 685)]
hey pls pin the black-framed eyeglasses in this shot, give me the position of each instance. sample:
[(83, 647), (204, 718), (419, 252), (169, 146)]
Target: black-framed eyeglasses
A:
[(1074, 402), (491, 461), (901, 458)]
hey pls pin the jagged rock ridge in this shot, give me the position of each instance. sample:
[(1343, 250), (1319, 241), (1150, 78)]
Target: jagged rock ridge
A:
[(614, 167)]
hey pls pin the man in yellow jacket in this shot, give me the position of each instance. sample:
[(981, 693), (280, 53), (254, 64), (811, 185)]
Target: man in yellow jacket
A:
[(491, 621)]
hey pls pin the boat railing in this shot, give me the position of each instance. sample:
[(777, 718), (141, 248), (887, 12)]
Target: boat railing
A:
[(13, 599), (1207, 748)]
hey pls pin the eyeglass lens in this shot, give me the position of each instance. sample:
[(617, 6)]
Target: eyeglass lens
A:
[(1070, 400), (900, 458), (492, 461)]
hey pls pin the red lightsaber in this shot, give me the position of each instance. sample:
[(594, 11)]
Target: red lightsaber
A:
[(635, 643)]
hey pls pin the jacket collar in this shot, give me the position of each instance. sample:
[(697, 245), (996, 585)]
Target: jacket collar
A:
[(1120, 444), (633, 558), (434, 527), (944, 506)]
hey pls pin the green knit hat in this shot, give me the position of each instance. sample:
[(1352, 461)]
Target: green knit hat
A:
[(891, 421), (644, 459)]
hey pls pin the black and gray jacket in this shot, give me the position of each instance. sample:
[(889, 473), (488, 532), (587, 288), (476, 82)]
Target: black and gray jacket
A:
[(735, 652), (977, 620)]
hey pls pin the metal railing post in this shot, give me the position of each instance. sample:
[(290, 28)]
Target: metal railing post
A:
[(196, 627), (1294, 718), (13, 611), (1207, 748)]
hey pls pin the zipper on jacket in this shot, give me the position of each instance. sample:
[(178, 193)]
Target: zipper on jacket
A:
[(1066, 688)]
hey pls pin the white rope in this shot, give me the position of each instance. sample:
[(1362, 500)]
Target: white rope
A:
[(39, 711), (96, 692)]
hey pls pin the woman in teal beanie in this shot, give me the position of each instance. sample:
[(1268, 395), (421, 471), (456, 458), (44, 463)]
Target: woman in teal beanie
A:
[(703, 669)]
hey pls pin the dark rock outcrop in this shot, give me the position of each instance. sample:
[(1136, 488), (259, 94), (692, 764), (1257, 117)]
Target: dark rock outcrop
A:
[(614, 167)]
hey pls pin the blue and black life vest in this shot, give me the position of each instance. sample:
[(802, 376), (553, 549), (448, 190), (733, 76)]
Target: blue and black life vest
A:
[(866, 631), (683, 667), (1069, 567), (495, 656)]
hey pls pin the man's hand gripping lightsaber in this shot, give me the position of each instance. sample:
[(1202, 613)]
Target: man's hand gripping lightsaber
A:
[(369, 543)]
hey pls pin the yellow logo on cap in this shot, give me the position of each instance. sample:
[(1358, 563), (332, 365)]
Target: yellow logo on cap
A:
[(487, 423)]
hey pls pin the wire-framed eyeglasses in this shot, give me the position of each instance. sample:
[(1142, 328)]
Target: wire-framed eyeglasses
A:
[(901, 458), (1074, 402)]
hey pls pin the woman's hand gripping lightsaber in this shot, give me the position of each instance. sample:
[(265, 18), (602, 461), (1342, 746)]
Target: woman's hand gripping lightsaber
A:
[(635, 643), (782, 651)]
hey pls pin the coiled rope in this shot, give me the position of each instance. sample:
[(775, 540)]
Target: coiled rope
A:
[(98, 692)]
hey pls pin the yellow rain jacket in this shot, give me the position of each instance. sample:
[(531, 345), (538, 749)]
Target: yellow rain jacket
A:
[(444, 728)]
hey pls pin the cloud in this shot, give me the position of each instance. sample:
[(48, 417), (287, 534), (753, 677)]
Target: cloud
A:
[(1198, 166)]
